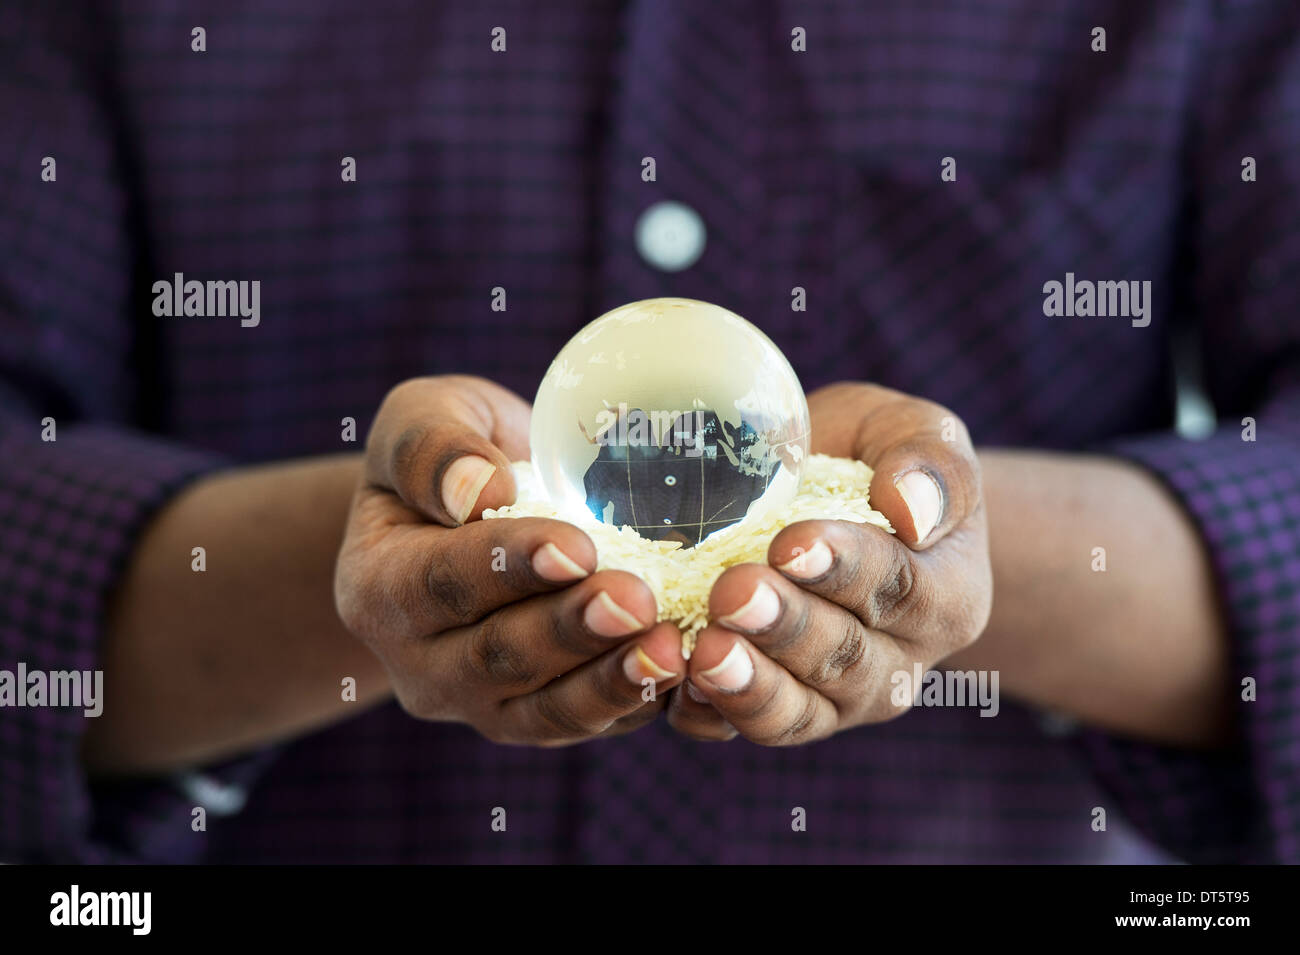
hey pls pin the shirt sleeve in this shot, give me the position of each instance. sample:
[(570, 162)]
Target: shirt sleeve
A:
[(1241, 485), (79, 475)]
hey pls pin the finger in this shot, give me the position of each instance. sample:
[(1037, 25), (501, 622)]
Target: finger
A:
[(424, 579), (524, 646), (925, 483), (444, 446), (936, 598), (820, 643), (591, 699), (472, 571), (859, 567), (691, 714), (757, 695), (927, 478)]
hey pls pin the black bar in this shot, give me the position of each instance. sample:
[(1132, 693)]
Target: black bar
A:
[(328, 905)]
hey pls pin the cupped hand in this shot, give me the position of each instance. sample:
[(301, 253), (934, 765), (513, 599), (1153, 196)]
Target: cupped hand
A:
[(808, 645), (499, 624)]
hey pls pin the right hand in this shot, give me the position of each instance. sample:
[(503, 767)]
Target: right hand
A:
[(500, 624)]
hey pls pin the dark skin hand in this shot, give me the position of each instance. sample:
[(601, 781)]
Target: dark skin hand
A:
[(543, 651), (804, 647)]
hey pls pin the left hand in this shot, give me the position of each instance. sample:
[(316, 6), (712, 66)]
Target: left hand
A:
[(805, 647)]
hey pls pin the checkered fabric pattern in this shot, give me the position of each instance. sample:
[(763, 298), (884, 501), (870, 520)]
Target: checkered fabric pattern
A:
[(522, 170)]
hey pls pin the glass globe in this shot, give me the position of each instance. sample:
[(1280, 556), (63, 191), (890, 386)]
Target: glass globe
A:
[(671, 416)]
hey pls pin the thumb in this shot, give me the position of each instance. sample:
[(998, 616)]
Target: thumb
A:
[(438, 444), (927, 477)]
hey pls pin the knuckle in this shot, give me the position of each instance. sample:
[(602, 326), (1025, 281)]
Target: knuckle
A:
[(447, 588), (407, 452), (848, 653), (894, 597), (495, 657)]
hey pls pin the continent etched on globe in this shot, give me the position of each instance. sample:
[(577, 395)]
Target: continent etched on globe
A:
[(665, 492)]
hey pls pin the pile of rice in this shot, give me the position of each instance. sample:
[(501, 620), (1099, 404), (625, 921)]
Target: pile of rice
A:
[(681, 578)]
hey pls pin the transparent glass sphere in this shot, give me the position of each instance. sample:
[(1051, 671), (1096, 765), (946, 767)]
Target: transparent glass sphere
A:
[(674, 417)]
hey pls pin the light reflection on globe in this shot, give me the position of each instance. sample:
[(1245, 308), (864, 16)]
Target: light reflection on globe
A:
[(672, 416)]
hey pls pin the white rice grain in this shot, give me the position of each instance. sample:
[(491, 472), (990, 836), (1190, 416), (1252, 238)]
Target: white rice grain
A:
[(681, 578)]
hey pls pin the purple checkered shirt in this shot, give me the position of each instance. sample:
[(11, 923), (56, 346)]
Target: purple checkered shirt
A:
[(522, 169)]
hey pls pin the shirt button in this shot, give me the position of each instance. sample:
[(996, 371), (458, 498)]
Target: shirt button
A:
[(670, 236)]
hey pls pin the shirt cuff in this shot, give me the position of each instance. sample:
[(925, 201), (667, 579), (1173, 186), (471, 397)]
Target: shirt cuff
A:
[(71, 511), (1241, 804)]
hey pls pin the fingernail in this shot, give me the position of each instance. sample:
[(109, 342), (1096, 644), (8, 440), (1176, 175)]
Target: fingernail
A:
[(924, 501), (638, 665), (759, 612), (734, 672), (811, 564), (608, 619), (463, 482), (551, 563)]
